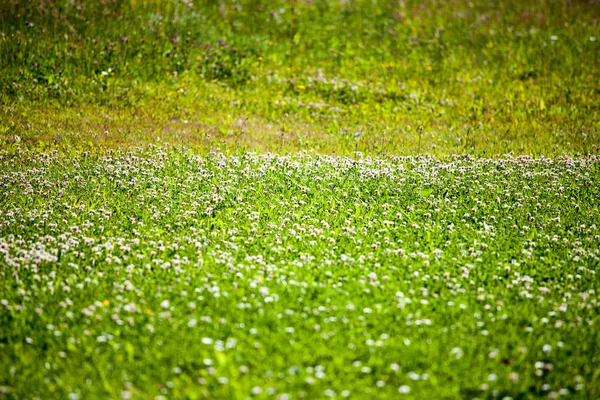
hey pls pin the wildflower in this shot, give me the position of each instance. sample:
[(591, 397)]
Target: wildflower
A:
[(404, 389)]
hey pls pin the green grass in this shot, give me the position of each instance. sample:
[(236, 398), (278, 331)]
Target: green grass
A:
[(265, 199), (162, 273), (438, 77)]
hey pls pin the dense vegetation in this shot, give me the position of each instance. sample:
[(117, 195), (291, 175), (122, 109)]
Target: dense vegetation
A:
[(434, 76), (138, 275), (299, 199)]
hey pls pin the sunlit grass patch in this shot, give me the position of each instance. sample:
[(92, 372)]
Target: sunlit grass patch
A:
[(438, 78)]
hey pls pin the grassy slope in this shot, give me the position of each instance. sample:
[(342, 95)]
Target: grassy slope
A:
[(437, 76)]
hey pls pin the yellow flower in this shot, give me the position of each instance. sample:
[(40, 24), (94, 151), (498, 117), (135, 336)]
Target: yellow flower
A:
[(300, 87), (148, 311), (106, 303)]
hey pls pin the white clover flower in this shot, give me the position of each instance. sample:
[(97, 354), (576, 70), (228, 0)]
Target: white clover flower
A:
[(547, 348), (457, 352), (404, 389), (414, 376), (256, 390)]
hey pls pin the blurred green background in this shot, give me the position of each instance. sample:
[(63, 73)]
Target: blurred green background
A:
[(381, 77)]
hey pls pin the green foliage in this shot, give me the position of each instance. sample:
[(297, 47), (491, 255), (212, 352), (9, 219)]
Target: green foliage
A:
[(478, 77), (222, 273), (161, 273), (224, 62)]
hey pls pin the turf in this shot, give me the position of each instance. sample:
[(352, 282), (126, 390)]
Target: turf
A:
[(405, 77), (163, 273)]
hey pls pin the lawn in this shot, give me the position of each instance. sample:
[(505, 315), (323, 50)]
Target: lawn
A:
[(299, 199)]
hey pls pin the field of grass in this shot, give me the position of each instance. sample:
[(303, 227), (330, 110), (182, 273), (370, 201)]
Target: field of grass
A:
[(162, 273), (437, 76), (299, 199)]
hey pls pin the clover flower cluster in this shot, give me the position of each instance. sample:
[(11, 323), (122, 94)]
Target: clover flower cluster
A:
[(298, 276)]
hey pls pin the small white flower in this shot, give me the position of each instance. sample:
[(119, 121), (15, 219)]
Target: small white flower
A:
[(256, 390), (457, 352), (539, 365), (414, 376), (547, 348), (404, 389)]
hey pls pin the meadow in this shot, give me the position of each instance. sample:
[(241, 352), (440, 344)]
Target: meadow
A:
[(299, 199), (438, 77), (163, 273)]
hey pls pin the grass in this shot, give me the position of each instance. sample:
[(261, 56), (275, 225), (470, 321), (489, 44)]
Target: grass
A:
[(299, 199), (163, 273), (406, 77)]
